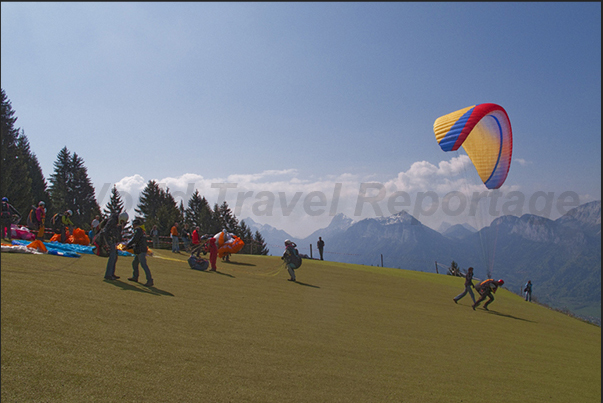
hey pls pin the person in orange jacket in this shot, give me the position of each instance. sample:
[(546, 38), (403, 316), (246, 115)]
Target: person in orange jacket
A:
[(175, 240)]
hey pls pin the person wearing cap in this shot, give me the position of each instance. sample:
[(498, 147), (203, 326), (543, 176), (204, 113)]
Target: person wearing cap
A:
[(41, 217), (487, 288), (139, 244), (111, 234), (468, 286)]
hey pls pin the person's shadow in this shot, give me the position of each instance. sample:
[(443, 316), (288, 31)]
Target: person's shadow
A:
[(306, 284), (509, 316), (138, 288)]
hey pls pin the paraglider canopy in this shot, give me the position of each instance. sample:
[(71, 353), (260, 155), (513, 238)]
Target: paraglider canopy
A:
[(484, 131)]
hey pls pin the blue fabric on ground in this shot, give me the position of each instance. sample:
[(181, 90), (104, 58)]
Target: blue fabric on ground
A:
[(67, 247)]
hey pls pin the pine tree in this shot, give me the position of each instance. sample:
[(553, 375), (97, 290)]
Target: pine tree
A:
[(158, 207), (71, 189), (85, 206), (259, 244), (15, 182), (246, 235), (115, 205), (198, 213), (227, 219), (59, 182)]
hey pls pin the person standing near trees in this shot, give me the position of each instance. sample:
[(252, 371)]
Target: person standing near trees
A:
[(321, 246), (41, 218), (111, 234), (213, 253), (155, 236), (175, 240), (139, 245), (8, 214), (468, 286), (66, 223), (186, 237)]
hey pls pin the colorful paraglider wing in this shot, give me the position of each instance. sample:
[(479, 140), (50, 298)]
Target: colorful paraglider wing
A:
[(484, 131)]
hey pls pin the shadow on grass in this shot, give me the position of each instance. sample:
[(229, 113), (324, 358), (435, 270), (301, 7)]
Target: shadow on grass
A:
[(509, 316), (238, 263), (141, 288), (306, 284), (221, 273)]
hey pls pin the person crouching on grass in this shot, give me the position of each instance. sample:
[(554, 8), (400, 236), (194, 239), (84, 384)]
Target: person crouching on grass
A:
[(487, 288), (139, 244)]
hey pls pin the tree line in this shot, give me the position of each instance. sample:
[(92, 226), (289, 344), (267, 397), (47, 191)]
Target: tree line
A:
[(22, 181)]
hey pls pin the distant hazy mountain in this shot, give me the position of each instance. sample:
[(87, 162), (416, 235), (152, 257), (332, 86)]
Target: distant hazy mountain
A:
[(273, 237), (458, 231)]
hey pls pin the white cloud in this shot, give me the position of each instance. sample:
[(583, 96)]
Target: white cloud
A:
[(300, 206)]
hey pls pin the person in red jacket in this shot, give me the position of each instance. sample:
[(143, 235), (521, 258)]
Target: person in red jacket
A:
[(213, 253)]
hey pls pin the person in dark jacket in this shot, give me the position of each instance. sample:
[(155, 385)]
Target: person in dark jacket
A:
[(139, 244), (468, 286), (487, 288), (528, 290), (111, 235), (8, 215), (321, 246)]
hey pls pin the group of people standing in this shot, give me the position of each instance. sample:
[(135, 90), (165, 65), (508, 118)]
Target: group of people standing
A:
[(110, 235)]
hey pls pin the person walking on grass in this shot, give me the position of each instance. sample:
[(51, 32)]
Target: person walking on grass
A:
[(111, 234), (486, 289), (468, 286), (528, 290), (291, 258), (139, 245)]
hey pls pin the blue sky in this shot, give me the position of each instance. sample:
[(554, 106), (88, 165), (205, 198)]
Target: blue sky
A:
[(283, 98)]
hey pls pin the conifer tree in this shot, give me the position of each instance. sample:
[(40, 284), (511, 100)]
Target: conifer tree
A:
[(115, 205), (198, 213), (247, 236), (15, 182), (226, 218), (259, 244), (71, 189), (158, 207)]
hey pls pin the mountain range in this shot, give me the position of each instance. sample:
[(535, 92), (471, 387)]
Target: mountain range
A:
[(561, 257)]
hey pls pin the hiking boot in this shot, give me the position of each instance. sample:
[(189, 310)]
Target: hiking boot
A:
[(148, 284), (133, 279)]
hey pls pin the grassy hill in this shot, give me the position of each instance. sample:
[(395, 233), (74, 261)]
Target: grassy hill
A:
[(343, 333)]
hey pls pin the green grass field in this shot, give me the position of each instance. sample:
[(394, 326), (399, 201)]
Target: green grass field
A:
[(343, 333)]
